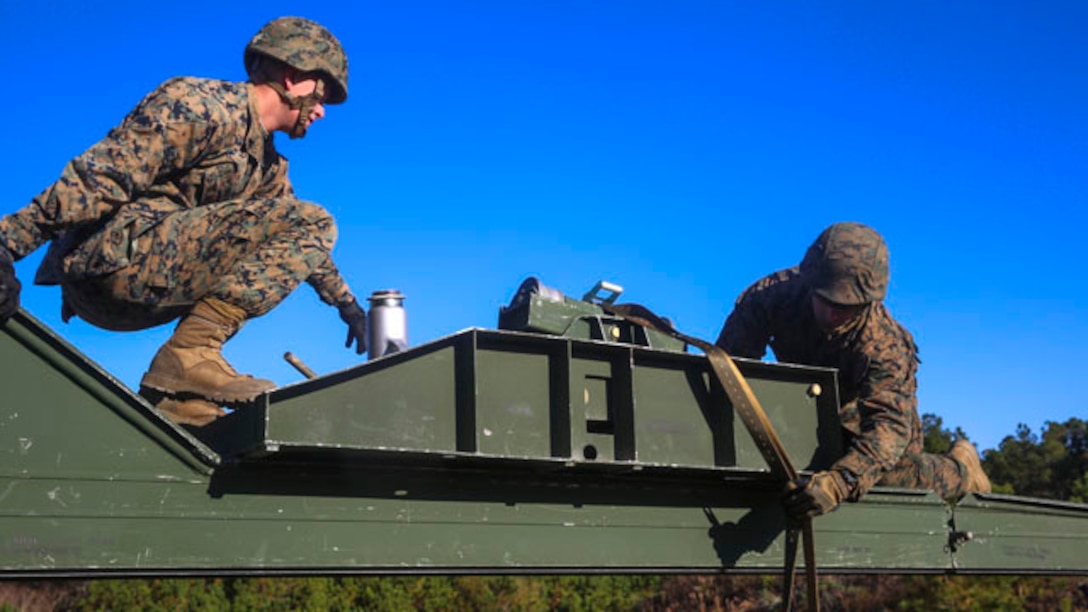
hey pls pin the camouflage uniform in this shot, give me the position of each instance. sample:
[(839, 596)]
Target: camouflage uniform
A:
[(877, 361), (186, 199)]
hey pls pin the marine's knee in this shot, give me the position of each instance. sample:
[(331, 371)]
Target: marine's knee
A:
[(312, 218), (318, 216)]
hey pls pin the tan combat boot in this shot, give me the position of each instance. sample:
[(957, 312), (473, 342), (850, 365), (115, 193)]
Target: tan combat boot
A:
[(191, 362), (974, 479)]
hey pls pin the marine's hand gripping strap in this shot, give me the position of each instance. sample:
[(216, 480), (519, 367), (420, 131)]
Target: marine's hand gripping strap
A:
[(759, 426)]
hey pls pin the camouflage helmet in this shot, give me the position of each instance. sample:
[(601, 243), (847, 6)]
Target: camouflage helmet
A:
[(848, 265), (303, 45)]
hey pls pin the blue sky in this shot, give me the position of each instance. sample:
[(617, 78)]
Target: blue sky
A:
[(679, 149)]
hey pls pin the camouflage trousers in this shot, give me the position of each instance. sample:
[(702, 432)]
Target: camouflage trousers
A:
[(918, 470), (914, 470), (251, 253)]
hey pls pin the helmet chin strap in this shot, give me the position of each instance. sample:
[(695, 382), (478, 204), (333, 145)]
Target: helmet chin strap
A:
[(303, 104)]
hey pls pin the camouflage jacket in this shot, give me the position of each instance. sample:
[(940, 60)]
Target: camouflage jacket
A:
[(876, 358), (190, 142)]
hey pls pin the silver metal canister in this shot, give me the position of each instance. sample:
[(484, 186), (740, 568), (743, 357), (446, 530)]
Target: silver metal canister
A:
[(387, 323)]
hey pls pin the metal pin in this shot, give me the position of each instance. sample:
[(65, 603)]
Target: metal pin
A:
[(301, 367)]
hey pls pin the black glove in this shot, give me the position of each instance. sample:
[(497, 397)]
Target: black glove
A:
[(818, 495), (9, 285), (355, 317)]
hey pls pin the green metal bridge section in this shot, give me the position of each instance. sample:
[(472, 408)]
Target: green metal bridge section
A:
[(494, 451)]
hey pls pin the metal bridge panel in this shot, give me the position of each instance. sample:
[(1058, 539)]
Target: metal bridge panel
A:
[(388, 467), (1009, 533)]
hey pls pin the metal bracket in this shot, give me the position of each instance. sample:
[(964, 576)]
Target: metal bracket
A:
[(958, 538), (593, 296)]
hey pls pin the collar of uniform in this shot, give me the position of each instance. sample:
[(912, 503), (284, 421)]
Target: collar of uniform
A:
[(256, 135)]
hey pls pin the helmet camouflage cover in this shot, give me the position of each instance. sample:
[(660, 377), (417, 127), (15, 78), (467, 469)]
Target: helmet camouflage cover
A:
[(303, 45), (848, 264)]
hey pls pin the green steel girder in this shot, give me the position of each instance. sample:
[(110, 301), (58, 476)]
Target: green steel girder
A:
[(467, 454)]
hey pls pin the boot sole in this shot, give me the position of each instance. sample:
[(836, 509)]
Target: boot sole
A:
[(188, 411), (174, 387)]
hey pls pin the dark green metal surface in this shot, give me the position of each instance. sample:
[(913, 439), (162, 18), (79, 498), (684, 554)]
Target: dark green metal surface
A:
[(539, 399), (466, 454), (557, 315), (1010, 532), (54, 402)]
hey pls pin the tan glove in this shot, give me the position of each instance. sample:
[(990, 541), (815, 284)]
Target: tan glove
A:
[(820, 494)]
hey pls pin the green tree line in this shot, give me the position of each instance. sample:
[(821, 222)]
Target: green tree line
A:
[(1052, 464)]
